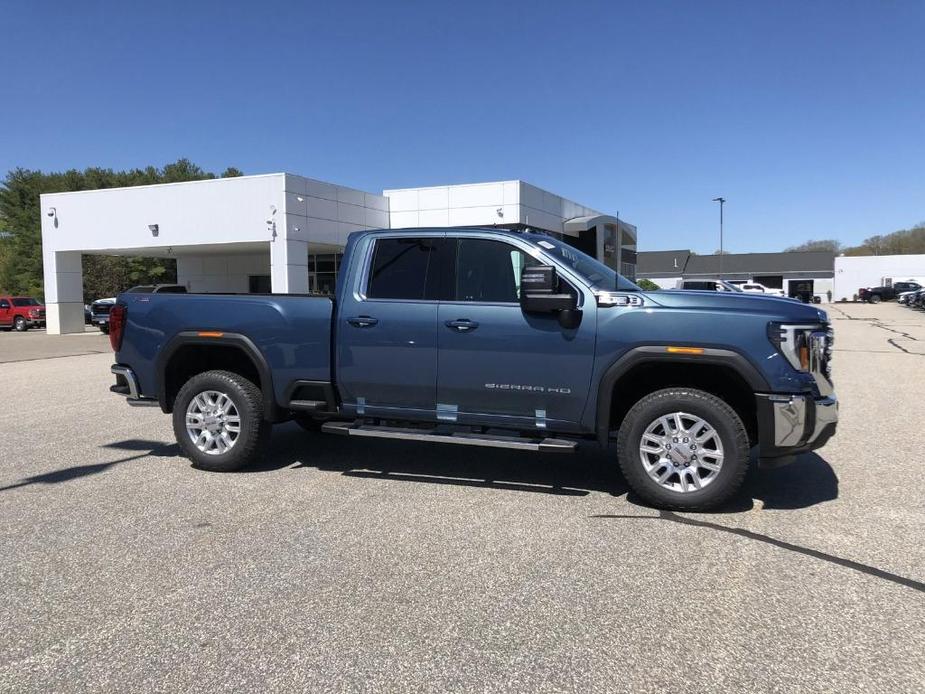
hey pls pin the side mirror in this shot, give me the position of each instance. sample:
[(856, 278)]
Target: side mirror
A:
[(538, 284)]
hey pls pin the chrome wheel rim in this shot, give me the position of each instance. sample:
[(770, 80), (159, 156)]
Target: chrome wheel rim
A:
[(213, 422), (681, 452)]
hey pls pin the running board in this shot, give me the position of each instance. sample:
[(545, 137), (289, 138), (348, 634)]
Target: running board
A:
[(545, 445)]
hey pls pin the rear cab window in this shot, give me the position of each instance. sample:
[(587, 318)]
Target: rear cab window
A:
[(405, 269)]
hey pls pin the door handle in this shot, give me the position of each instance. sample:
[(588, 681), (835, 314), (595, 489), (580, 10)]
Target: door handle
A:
[(363, 321), (462, 325)]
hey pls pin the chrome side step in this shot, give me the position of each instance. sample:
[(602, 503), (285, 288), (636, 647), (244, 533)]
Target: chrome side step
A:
[(544, 445)]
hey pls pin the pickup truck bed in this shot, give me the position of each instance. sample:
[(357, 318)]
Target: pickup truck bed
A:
[(287, 335)]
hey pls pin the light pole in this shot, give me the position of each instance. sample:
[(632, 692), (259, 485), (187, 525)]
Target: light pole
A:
[(721, 201)]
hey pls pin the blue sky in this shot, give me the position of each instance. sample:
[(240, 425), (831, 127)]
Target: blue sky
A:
[(809, 117)]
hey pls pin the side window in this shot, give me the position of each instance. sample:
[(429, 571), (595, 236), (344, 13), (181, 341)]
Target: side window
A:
[(400, 268), (489, 271)]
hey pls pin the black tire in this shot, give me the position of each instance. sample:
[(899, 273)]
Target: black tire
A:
[(724, 420), (104, 329), (254, 429), (309, 424), (874, 299), (20, 324)]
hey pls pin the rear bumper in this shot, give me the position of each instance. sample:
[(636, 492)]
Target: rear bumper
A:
[(792, 424), (127, 386)]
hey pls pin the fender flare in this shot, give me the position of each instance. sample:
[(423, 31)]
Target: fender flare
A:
[(236, 340), (648, 354)]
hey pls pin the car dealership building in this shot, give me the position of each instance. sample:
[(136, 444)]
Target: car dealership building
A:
[(283, 233)]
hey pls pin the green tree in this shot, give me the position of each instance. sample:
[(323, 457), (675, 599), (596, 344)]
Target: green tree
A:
[(902, 242), (813, 245), (648, 285), (21, 251)]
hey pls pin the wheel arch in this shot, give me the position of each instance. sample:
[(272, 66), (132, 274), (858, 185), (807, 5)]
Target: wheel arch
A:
[(189, 353), (627, 377)]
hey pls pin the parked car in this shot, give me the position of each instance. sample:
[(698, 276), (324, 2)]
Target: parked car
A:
[(748, 286), (917, 299), (709, 285), (158, 289), (99, 310), (875, 295), (906, 297), (488, 337), (21, 313), (99, 313)]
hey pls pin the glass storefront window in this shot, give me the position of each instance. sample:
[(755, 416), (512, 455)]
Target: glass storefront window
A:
[(322, 272)]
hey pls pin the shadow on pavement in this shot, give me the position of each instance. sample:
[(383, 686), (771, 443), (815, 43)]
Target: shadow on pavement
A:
[(568, 475), (808, 481), (155, 448), (867, 569)]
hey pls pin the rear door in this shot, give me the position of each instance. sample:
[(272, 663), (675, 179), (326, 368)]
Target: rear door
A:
[(6, 312), (386, 328), (498, 365)]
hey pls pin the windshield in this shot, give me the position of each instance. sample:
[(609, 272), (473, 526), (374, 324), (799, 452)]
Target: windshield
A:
[(730, 287), (593, 271), (25, 302)]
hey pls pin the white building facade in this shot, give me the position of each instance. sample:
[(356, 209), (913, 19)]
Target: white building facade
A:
[(854, 272), (283, 233)]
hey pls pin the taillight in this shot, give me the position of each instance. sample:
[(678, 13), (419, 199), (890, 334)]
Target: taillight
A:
[(117, 326)]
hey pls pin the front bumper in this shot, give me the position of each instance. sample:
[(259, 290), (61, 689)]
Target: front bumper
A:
[(127, 385), (792, 424)]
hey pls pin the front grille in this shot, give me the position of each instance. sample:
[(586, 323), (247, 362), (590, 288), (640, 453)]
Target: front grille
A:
[(102, 309)]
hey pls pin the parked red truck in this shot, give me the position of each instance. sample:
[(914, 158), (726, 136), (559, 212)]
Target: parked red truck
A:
[(21, 313)]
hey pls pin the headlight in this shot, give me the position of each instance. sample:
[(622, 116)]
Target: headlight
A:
[(807, 346)]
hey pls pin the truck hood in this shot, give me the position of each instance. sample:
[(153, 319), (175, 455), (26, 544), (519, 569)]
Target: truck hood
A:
[(786, 309)]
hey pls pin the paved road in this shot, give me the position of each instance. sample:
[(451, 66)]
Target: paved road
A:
[(37, 344), (345, 566)]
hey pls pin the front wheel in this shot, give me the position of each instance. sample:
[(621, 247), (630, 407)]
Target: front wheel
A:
[(218, 421), (20, 324), (683, 449), (874, 299)]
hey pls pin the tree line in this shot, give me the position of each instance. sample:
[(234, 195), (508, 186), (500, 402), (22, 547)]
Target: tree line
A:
[(902, 242), (21, 228)]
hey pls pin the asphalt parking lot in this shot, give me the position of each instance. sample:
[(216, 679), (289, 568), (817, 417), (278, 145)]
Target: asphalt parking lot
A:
[(344, 565)]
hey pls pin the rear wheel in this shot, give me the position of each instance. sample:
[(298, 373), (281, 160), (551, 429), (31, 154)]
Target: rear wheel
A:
[(20, 324), (218, 421), (684, 449)]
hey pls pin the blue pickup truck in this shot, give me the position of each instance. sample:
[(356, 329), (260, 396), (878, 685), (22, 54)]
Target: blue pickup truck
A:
[(488, 337)]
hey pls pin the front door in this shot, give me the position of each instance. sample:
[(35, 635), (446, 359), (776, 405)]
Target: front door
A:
[(386, 330), (498, 365)]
